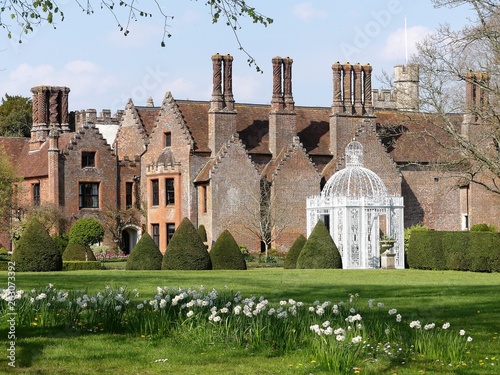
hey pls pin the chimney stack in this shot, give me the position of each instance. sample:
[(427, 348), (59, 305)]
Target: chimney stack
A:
[(222, 114)]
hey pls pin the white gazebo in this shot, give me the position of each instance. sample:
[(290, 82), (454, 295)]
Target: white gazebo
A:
[(360, 214)]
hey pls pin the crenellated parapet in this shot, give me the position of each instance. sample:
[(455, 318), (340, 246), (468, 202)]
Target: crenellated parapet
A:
[(90, 116), (384, 99)]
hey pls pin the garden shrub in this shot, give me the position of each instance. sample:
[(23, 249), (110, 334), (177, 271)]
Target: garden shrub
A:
[(145, 255), (36, 250), (455, 249), (61, 242), (77, 251), (319, 250), (483, 228), (294, 252), (423, 250), (86, 231), (226, 254), (484, 251), (186, 250), (202, 232), (77, 265)]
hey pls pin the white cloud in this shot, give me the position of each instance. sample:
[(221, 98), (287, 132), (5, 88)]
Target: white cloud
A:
[(306, 12), (395, 46)]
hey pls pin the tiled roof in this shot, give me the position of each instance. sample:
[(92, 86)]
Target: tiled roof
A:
[(148, 117)]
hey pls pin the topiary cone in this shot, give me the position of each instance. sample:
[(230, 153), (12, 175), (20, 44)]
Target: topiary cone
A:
[(319, 250)]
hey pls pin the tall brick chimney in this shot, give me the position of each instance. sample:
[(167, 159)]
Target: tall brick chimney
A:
[(352, 102), (476, 99), (282, 117), (50, 110), (222, 114), (53, 170)]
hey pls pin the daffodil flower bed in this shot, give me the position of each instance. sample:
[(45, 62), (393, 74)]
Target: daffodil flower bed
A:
[(339, 336)]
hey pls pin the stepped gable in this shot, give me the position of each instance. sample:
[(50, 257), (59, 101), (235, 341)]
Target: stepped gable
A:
[(273, 167), (75, 138), (169, 104), (211, 166), (413, 140)]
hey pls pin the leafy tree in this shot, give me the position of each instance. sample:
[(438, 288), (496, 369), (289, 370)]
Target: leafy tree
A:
[(29, 14), (226, 254), (15, 116), (8, 177), (36, 251), (294, 252), (186, 250), (145, 255), (483, 228), (86, 231), (319, 250), (448, 60), (77, 251)]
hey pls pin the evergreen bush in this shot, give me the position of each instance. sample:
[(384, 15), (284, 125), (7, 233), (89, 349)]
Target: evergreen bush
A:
[(145, 255), (36, 250), (226, 254), (61, 242), (294, 252), (484, 251), (455, 248), (86, 231), (77, 251), (202, 232), (423, 249), (483, 228), (319, 250), (186, 250)]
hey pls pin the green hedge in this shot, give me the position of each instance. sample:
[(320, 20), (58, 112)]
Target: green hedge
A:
[(460, 251), (77, 265)]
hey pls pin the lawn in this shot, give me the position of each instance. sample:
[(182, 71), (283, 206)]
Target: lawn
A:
[(469, 301)]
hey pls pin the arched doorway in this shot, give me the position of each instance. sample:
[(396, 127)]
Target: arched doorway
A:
[(130, 237)]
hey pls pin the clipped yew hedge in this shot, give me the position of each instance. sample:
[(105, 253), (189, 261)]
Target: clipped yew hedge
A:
[(319, 250), (145, 255), (460, 251), (77, 265), (36, 250), (294, 252), (226, 254), (77, 251), (186, 250)]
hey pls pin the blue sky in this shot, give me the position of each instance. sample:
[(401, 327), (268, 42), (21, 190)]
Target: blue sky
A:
[(103, 68)]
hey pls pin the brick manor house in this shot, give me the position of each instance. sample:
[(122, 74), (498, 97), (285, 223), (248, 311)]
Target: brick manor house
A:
[(222, 164)]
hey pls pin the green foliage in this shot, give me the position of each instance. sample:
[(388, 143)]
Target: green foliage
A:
[(86, 231), (226, 254), (294, 252), (61, 242), (202, 232), (3, 251), (145, 255), (483, 228), (36, 251), (77, 265), (186, 250), (15, 116), (77, 251), (464, 251), (319, 250), (409, 230), (7, 177)]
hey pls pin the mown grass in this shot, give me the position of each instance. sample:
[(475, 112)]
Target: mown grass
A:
[(467, 300)]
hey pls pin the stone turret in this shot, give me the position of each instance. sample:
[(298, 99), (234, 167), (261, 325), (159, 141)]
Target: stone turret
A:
[(406, 78)]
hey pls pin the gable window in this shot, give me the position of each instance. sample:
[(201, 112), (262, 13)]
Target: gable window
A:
[(128, 194), (169, 191), (88, 159), (170, 231), (36, 194), (89, 195), (168, 139), (155, 193), (155, 229)]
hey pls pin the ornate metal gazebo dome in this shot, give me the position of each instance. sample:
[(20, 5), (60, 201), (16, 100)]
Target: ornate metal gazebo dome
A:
[(355, 206), (355, 180)]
